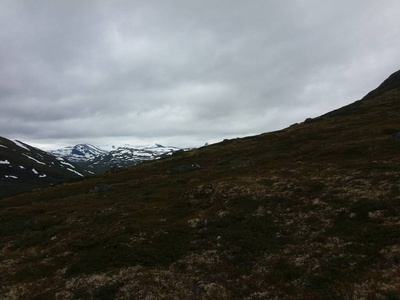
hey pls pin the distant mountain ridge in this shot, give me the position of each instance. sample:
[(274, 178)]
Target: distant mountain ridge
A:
[(24, 168), (79, 153), (99, 160)]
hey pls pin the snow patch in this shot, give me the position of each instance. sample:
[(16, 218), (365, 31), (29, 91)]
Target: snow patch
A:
[(4, 162), (42, 176), (11, 176), (39, 162), (4, 146), (22, 167), (34, 171), (75, 172), (18, 143), (67, 164)]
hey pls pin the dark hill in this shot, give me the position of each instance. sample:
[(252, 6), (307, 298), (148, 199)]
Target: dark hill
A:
[(308, 212), (24, 168), (393, 82)]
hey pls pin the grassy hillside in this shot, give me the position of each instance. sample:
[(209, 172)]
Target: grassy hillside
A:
[(308, 212)]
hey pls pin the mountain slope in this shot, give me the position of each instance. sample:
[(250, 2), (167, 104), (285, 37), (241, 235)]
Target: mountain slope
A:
[(23, 168), (391, 83), (308, 212)]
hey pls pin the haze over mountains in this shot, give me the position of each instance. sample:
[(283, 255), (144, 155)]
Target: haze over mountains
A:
[(308, 212)]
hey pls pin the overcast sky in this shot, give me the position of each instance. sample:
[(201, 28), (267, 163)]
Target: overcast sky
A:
[(186, 72)]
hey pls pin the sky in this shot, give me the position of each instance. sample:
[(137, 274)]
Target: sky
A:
[(185, 72)]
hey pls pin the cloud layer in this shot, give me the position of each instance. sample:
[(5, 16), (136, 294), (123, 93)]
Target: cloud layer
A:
[(185, 72)]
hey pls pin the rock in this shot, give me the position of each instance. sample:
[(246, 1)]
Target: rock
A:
[(113, 170), (100, 188), (199, 286), (300, 158), (197, 223), (316, 202), (260, 212), (194, 223), (376, 215), (309, 120), (395, 137), (184, 168), (222, 213), (346, 179)]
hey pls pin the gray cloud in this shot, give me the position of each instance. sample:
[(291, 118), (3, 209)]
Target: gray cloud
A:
[(185, 72)]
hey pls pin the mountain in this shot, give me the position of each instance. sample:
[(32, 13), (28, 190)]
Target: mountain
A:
[(308, 212), (98, 160), (127, 156), (79, 153), (23, 167)]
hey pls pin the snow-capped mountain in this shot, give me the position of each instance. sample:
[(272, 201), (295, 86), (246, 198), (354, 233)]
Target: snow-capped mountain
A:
[(23, 167), (128, 155), (99, 160), (79, 153), (143, 153)]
